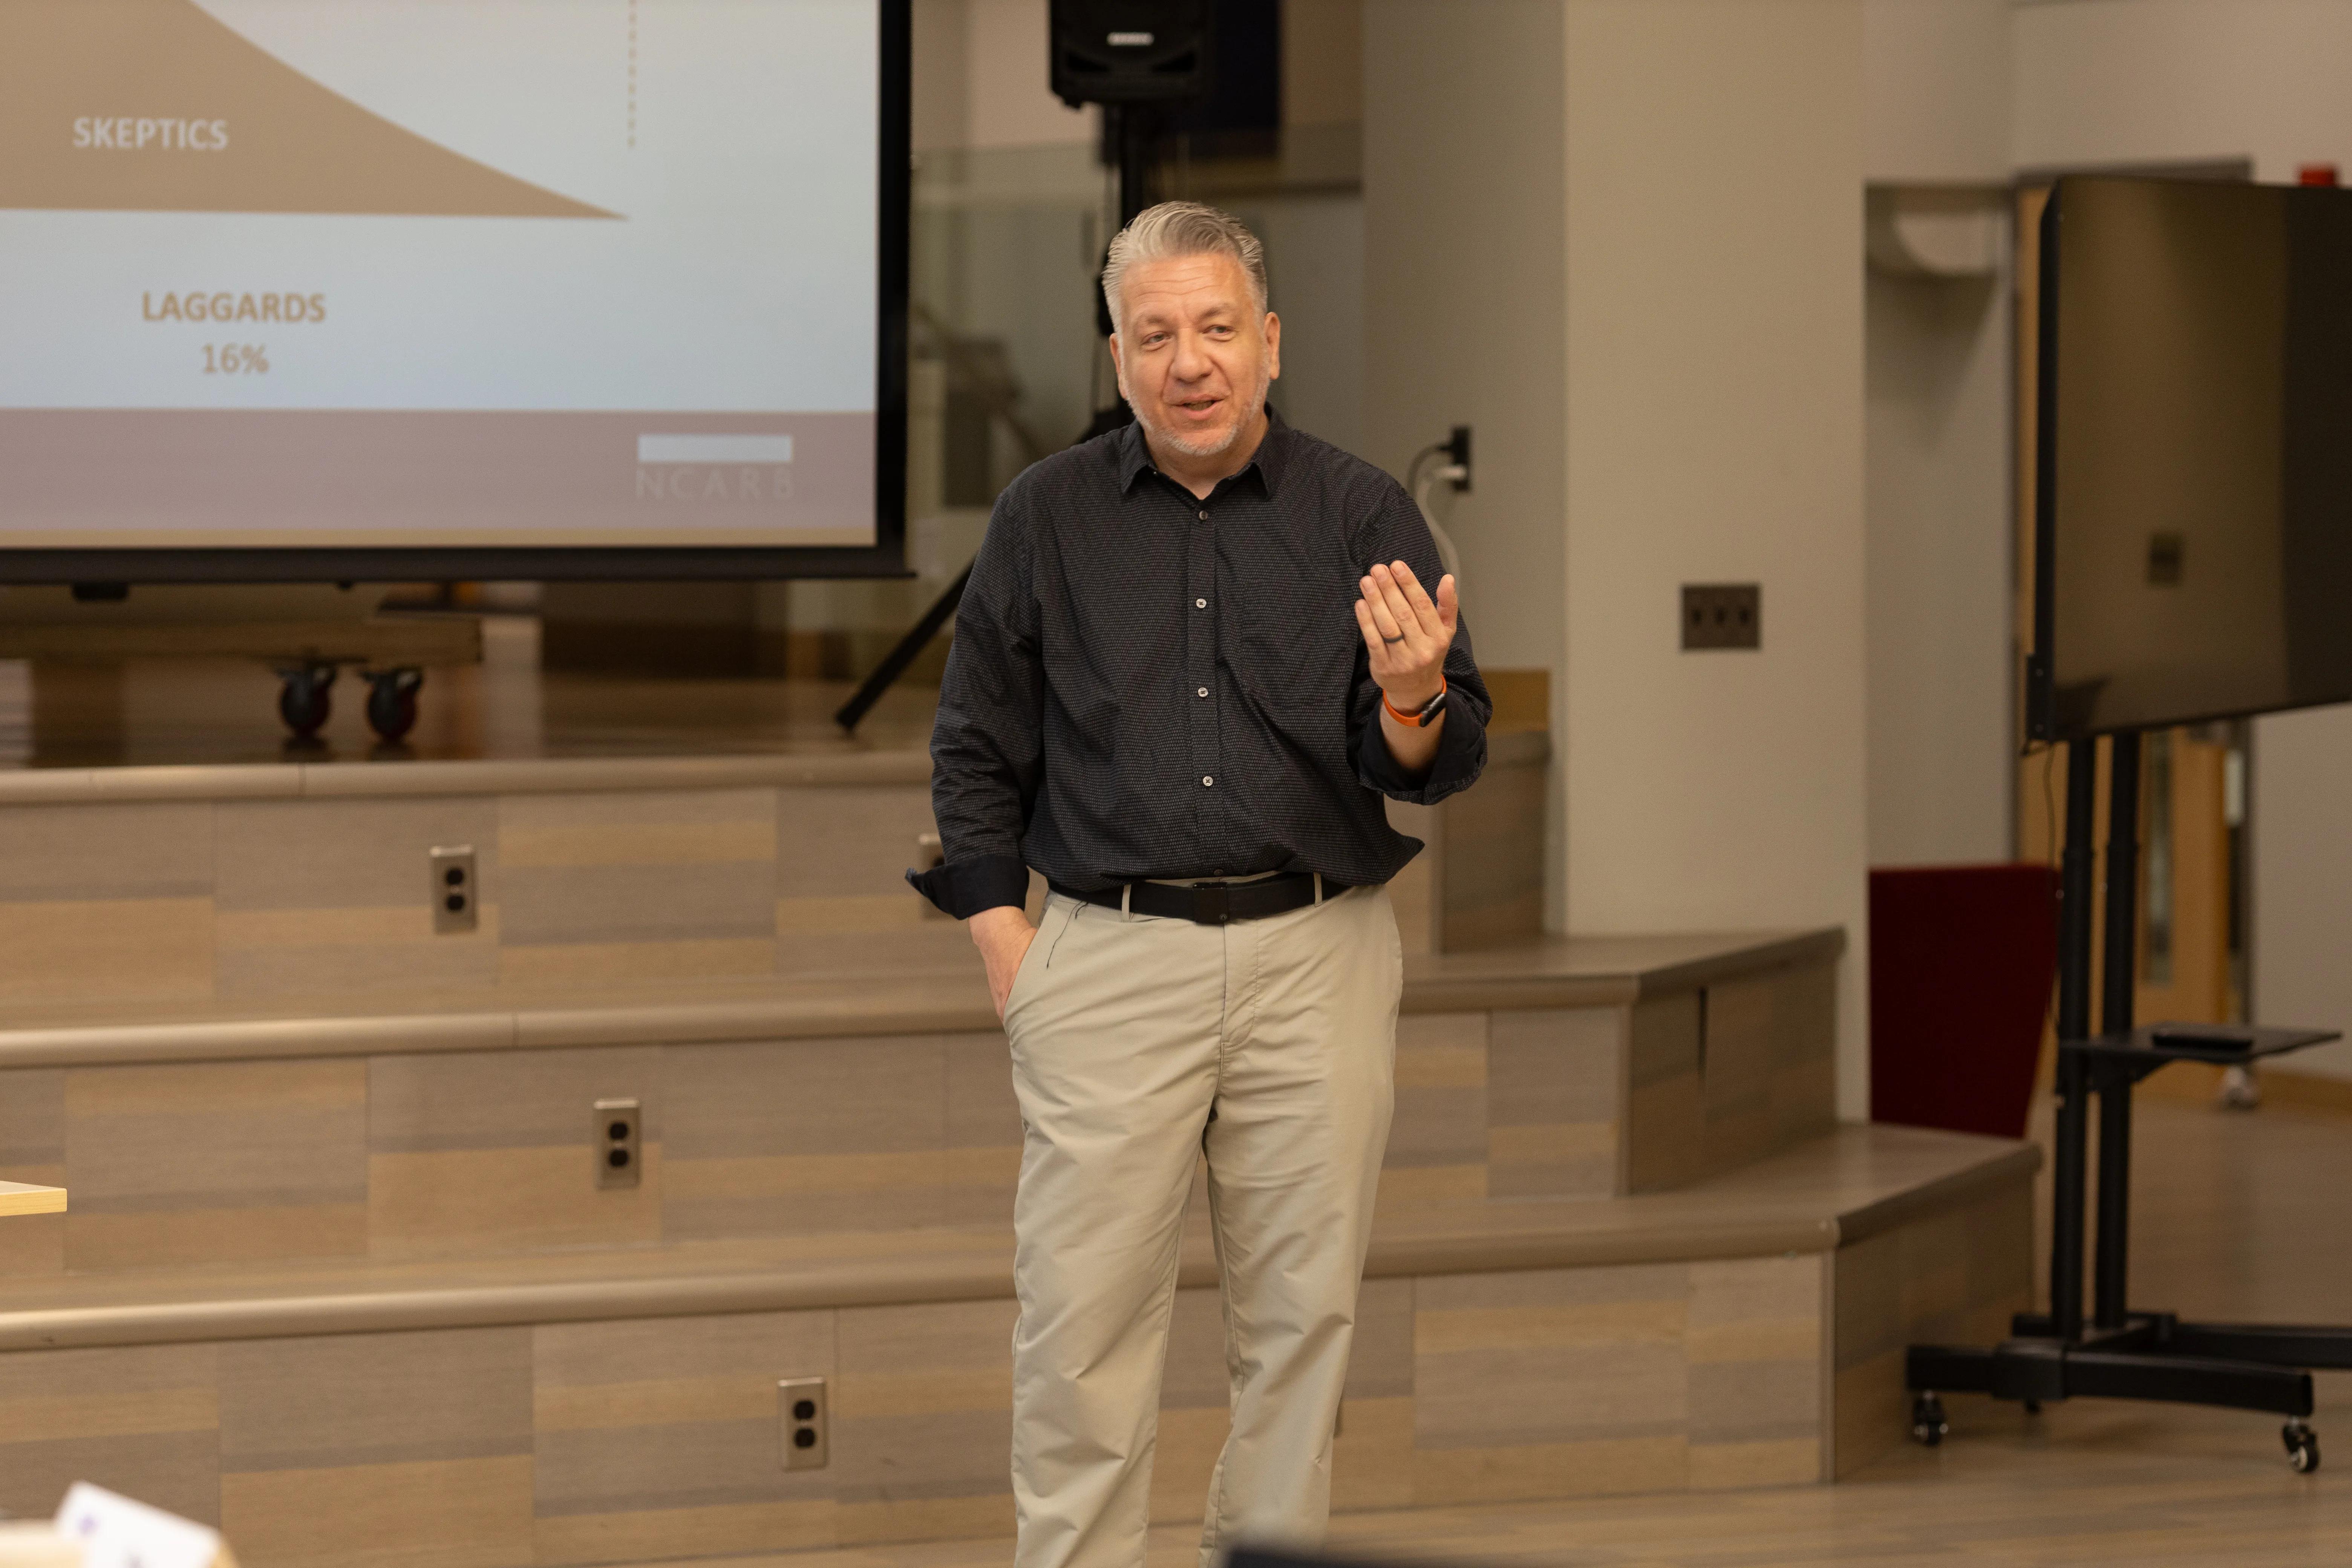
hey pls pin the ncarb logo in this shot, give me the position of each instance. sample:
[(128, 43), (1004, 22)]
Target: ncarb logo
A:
[(711, 482), (714, 468)]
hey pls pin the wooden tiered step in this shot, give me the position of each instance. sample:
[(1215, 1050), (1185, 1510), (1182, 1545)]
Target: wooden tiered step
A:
[(583, 1408), (253, 887), (1854, 1185), (332, 1267), (337, 1275)]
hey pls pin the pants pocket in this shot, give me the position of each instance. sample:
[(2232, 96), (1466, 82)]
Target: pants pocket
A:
[(1040, 956)]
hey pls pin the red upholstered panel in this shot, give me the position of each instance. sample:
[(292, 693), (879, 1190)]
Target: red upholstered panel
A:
[(1962, 958)]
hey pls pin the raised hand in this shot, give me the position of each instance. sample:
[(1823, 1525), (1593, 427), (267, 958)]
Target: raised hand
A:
[(1406, 632)]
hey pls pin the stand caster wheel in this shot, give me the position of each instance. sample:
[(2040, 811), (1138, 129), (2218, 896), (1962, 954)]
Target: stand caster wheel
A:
[(303, 698), (2302, 1447), (1928, 1423), (392, 701)]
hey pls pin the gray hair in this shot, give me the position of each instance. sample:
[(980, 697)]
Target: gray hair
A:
[(1184, 228)]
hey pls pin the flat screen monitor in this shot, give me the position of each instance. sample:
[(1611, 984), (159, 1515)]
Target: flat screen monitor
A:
[(331, 289), (2194, 454)]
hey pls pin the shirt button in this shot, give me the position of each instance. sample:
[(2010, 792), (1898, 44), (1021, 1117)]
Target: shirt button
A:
[(1204, 517), (1207, 782), (1203, 692), (1199, 603)]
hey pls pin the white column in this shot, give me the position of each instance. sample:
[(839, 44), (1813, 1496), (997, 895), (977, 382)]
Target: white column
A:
[(1622, 238)]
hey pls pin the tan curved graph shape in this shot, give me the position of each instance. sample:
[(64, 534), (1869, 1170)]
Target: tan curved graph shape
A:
[(292, 146)]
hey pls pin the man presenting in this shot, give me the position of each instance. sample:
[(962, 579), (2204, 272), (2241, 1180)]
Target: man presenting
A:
[(1193, 655)]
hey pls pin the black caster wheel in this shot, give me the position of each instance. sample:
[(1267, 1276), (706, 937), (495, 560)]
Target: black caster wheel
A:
[(304, 698), (2302, 1447), (392, 701), (1928, 1423), (2033, 1407)]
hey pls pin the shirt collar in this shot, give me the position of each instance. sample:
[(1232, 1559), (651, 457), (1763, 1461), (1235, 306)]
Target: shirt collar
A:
[(1135, 455)]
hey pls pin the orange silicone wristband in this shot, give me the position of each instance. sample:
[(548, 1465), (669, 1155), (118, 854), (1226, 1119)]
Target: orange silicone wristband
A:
[(1413, 719)]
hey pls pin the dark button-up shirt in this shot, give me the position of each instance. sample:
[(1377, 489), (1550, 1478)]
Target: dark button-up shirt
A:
[(1146, 684)]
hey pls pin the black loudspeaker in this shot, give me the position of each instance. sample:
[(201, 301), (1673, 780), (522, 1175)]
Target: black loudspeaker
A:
[(1130, 51)]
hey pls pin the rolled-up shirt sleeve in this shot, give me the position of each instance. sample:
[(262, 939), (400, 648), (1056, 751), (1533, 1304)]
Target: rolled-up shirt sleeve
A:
[(1397, 533), (987, 745)]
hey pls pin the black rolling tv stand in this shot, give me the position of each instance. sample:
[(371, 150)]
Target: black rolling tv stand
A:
[(2121, 1353)]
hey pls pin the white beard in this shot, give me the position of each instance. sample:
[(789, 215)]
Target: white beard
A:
[(1215, 446)]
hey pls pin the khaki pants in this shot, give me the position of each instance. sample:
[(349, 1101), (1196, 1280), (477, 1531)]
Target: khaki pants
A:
[(1139, 1045)]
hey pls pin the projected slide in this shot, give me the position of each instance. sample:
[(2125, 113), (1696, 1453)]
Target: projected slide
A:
[(438, 272)]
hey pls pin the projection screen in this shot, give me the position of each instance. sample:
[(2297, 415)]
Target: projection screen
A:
[(392, 288)]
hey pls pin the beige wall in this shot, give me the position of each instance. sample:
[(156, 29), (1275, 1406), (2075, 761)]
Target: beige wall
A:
[(981, 78), (1936, 112), (1465, 290), (1714, 433), (1012, 104), (1939, 594), (1465, 304), (1643, 219), (2120, 81), (1322, 62), (1935, 77), (938, 101)]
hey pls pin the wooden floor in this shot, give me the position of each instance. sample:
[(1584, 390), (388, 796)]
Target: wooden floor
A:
[(2236, 1215)]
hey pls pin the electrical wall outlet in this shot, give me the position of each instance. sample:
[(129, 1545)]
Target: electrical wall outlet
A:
[(457, 889), (1722, 615), (620, 1155), (802, 1427)]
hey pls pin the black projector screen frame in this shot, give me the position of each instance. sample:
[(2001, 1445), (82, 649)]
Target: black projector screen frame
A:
[(883, 557), (2192, 453)]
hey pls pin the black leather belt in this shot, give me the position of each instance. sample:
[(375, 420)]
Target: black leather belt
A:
[(1213, 903)]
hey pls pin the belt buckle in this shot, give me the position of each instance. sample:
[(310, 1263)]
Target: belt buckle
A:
[(1212, 904)]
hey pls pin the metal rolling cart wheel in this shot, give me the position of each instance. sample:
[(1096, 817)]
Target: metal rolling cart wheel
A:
[(1928, 1423), (305, 697), (392, 701), (2302, 1447)]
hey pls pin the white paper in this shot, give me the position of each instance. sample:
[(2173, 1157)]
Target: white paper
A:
[(113, 1531), (25, 1544)]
